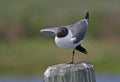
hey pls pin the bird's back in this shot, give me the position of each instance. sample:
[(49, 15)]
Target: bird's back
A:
[(79, 30)]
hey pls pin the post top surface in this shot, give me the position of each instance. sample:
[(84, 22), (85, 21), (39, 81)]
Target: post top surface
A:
[(64, 67)]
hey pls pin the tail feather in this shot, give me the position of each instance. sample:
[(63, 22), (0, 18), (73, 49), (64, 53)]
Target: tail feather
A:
[(81, 49)]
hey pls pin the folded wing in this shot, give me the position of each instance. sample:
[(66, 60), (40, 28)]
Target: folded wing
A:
[(79, 30)]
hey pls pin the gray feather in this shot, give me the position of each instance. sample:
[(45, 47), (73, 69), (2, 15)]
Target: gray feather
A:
[(50, 32), (79, 30)]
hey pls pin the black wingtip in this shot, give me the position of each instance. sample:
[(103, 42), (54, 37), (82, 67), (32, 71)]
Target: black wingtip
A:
[(87, 15), (81, 49)]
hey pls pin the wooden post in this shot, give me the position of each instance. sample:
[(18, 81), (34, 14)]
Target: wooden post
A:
[(76, 72)]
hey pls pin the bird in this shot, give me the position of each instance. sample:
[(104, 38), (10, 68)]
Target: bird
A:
[(70, 36)]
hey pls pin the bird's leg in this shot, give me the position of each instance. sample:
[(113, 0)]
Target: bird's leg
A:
[(73, 53)]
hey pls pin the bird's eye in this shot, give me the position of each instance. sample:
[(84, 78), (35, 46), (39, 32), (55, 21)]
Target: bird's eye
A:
[(64, 30)]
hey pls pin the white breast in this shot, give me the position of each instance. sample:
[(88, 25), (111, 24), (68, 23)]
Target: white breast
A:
[(65, 42)]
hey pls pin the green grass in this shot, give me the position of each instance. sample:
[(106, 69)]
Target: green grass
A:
[(26, 56), (33, 56)]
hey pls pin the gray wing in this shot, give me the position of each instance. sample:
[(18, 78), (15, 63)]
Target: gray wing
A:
[(79, 30), (50, 32)]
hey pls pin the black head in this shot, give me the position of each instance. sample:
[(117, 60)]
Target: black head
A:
[(61, 32)]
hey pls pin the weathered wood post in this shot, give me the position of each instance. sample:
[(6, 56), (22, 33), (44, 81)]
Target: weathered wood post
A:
[(76, 72)]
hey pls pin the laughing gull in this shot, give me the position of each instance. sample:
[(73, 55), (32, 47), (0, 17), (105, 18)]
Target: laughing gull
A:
[(70, 36)]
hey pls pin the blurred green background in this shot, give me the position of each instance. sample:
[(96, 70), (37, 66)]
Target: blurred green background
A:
[(25, 51)]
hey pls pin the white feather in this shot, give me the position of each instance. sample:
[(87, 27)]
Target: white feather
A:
[(65, 42)]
